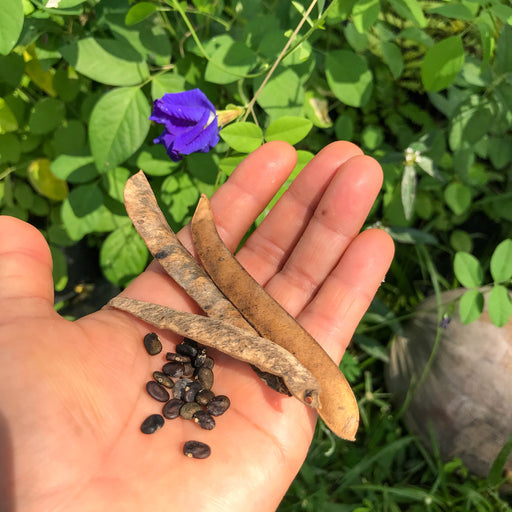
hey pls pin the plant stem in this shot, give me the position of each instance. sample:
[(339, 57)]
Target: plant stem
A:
[(278, 60)]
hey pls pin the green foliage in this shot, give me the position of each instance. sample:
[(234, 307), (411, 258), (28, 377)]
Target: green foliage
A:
[(424, 87)]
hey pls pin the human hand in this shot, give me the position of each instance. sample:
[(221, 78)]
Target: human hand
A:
[(73, 393)]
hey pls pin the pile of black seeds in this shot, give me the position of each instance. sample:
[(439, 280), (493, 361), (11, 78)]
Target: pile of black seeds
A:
[(184, 386)]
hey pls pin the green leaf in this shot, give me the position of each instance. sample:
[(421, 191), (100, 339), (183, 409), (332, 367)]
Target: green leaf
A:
[(411, 10), (500, 151), (229, 62), (487, 38), (408, 190), (504, 12), (495, 476), (45, 182), (166, 82), (457, 197), (114, 181), (452, 10), (344, 127), (242, 137), (74, 168), (471, 305), (372, 137), (501, 261), (12, 67), (180, 194), (140, 12), (283, 94), (10, 148), (60, 268), (504, 50), (46, 115), (461, 241), (228, 164), (291, 129), (442, 63), (468, 270), (155, 161), (393, 58), (107, 61), (70, 138), (499, 305), (365, 13), (118, 126), (8, 121), (123, 256), (11, 23), (349, 77)]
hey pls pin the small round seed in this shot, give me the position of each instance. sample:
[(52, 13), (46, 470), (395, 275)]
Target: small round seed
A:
[(204, 396), (172, 408), (196, 449), (171, 356), (186, 349), (152, 423), (188, 370), (187, 411), (173, 369), (191, 390), (156, 391), (200, 358), (208, 363), (218, 405), (205, 377), (163, 379), (204, 420), (152, 344), (179, 387)]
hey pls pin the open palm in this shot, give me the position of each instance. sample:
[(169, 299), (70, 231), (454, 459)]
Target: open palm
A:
[(73, 393)]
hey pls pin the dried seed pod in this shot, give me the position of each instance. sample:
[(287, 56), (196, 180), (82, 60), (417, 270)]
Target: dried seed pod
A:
[(163, 379), (179, 387), (173, 369), (191, 390), (205, 377), (188, 410), (196, 449), (162, 242), (218, 405), (156, 391), (152, 344), (204, 420), (204, 396), (152, 423), (337, 404), (236, 342), (171, 409), (171, 356)]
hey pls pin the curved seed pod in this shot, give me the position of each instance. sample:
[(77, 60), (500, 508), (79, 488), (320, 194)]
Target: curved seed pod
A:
[(164, 245), (238, 343), (338, 406)]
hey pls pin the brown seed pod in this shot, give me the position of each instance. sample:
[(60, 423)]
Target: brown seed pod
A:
[(238, 343), (338, 406), (162, 242)]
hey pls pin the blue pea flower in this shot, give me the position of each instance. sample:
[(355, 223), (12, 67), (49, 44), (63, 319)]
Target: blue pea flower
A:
[(190, 123)]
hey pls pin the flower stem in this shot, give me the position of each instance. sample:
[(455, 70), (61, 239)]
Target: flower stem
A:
[(278, 60)]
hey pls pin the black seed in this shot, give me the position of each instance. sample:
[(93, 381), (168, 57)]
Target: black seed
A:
[(172, 408), (163, 379), (200, 358), (188, 370), (157, 392), (204, 420), (179, 387), (208, 363), (152, 423), (171, 356), (152, 344), (218, 405), (204, 396), (191, 390), (205, 377), (196, 449), (185, 349), (173, 369), (187, 411)]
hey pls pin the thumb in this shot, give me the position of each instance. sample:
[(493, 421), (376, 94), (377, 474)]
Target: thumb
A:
[(26, 283)]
